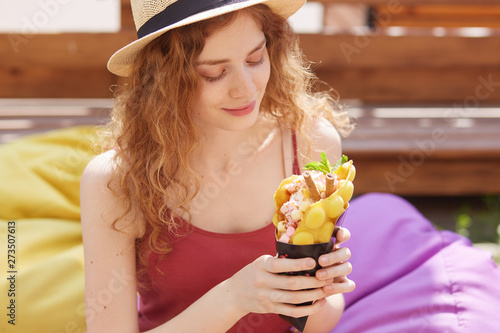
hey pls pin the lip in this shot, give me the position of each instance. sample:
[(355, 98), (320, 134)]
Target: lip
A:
[(241, 111)]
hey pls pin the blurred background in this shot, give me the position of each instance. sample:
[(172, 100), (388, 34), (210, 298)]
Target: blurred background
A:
[(420, 77)]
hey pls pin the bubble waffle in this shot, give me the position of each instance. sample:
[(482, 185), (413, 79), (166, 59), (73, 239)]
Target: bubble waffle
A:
[(308, 206)]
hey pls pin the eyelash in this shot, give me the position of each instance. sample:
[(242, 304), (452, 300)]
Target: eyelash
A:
[(219, 77)]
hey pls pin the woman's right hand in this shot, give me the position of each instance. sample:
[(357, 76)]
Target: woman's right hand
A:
[(259, 288)]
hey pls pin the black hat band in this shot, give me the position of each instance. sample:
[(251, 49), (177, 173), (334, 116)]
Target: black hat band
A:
[(178, 11)]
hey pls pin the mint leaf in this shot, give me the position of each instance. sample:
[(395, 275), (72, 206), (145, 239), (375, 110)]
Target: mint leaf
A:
[(324, 166), (313, 166), (339, 162), (325, 162), (324, 169)]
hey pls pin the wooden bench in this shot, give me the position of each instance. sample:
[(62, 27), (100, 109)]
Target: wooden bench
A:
[(426, 97), (425, 151), (409, 151), (20, 117)]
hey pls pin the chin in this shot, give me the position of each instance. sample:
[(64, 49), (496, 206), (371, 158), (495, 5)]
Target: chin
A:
[(234, 124), (243, 123)]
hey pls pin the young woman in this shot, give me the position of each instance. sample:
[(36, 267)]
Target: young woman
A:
[(214, 111)]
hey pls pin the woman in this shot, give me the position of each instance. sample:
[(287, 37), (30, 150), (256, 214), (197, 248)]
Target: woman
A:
[(215, 111)]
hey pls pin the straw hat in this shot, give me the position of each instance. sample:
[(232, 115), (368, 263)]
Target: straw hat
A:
[(155, 17)]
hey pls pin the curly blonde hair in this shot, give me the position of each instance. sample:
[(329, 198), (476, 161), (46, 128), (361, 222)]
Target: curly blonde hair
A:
[(153, 130)]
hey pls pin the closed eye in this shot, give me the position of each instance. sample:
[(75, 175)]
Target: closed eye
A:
[(258, 52), (215, 78), (255, 63), (223, 73)]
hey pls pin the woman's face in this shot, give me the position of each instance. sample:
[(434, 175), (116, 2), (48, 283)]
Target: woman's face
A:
[(234, 70)]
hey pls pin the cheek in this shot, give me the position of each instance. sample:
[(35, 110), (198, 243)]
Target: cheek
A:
[(199, 103), (263, 78), (208, 98)]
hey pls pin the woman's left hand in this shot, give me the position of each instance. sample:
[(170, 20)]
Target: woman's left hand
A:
[(336, 267)]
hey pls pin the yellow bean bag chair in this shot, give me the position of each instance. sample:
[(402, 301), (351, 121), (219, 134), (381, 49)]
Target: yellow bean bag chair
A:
[(40, 232)]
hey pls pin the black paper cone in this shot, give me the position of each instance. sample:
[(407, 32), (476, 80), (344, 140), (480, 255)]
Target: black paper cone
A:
[(341, 218), (292, 251), (298, 323)]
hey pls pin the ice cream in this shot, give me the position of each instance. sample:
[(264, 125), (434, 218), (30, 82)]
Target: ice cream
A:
[(308, 205)]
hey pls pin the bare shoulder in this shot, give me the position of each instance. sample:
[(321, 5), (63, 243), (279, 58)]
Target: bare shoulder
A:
[(100, 196), (322, 137), (100, 170), (95, 190)]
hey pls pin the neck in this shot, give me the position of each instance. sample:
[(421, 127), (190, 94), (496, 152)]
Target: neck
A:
[(222, 148)]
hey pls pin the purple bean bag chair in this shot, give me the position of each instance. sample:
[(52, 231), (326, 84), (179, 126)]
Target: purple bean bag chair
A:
[(411, 277)]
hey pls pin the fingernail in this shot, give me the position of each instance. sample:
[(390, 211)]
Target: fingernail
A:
[(329, 288), (321, 275), (323, 261)]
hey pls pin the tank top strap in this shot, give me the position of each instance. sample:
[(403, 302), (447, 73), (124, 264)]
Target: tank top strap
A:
[(296, 167), (290, 152)]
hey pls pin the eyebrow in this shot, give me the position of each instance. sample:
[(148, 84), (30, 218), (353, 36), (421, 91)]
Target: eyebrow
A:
[(221, 61)]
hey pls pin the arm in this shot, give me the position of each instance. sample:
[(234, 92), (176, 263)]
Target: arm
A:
[(110, 284)]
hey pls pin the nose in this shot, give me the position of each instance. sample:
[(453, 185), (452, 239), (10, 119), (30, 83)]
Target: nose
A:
[(242, 85)]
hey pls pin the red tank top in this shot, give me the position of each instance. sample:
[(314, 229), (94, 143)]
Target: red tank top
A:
[(199, 261)]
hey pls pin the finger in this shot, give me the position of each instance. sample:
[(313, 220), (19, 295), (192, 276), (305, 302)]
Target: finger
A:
[(342, 235), (340, 287), (335, 271), (340, 279), (298, 311), (335, 257), (294, 282), (297, 297), (284, 265)]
